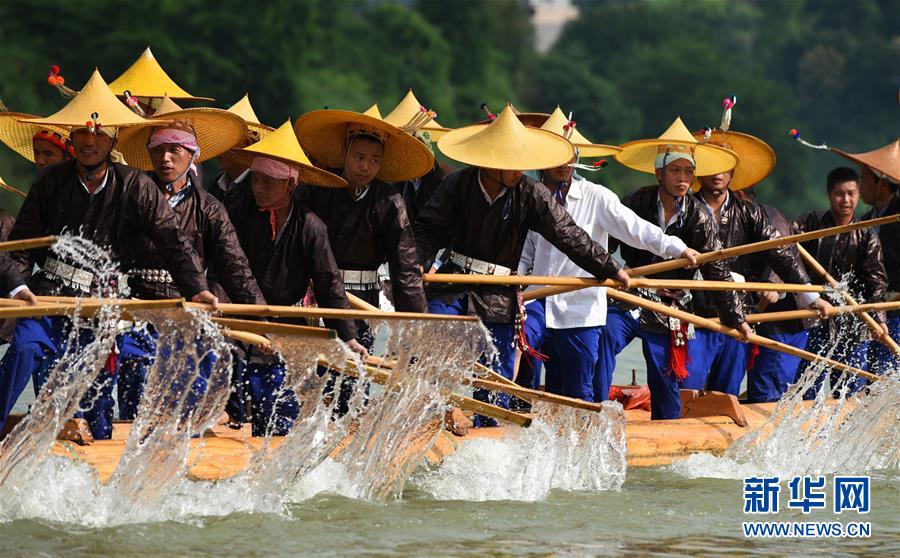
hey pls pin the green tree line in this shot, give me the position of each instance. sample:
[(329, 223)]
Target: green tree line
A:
[(625, 67)]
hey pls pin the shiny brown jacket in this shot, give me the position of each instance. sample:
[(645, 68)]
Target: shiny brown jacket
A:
[(128, 207), (889, 236), (205, 221), (857, 252), (284, 269), (697, 229), (369, 232), (459, 217)]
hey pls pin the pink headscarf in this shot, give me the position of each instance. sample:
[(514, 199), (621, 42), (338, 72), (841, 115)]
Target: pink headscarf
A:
[(183, 138), (273, 168)]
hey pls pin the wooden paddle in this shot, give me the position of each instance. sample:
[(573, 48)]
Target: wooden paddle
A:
[(709, 324), (277, 328), (27, 243), (85, 308), (581, 282), (766, 317), (869, 320), (726, 253)]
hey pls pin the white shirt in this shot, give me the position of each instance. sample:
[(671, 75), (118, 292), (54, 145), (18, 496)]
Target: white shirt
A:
[(599, 212)]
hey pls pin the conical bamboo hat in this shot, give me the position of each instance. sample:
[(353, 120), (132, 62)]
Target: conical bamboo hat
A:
[(94, 97), (216, 131), (586, 149), (19, 136), (324, 134), (282, 145), (757, 159), (408, 108), (507, 144), (244, 109), (640, 155), (374, 112), (885, 160), (146, 78)]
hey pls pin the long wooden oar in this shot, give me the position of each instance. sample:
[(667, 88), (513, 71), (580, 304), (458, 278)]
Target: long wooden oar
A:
[(767, 317), (86, 308), (709, 324), (27, 243), (580, 282), (726, 253), (277, 328), (869, 320)]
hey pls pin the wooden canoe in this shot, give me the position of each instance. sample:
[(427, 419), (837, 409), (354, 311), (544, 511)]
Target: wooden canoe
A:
[(224, 452)]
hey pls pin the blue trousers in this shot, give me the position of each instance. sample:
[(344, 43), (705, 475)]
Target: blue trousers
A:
[(36, 346), (717, 362), (621, 328), (848, 350), (665, 397), (773, 371), (572, 352), (882, 358), (529, 375), (504, 363), (137, 352), (274, 409)]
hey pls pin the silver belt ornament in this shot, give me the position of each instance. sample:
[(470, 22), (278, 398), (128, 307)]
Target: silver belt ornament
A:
[(69, 274), (360, 279), (478, 267), (152, 275)]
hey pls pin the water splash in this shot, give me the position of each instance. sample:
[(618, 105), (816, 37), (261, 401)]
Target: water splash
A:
[(837, 432), (564, 448)]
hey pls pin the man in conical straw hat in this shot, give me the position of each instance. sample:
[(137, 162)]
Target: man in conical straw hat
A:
[(367, 222), (879, 176), (109, 203), (144, 84), (483, 215), (721, 358), (414, 118), (673, 158), (857, 253), (42, 145), (567, 327), (288, 246), (172, 152), (233, 168)]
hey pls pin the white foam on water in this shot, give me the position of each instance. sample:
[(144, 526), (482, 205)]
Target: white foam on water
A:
[(564, 449), (853, 433)]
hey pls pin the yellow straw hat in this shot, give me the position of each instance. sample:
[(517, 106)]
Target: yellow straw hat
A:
[(757, 159), (506, 144), (167, 105), (324, 135), (94, 104), (409, 109), (530, 119), (282, 145), (558, 123), (146, 78), (374, 112), (216, 131), (885, 160), (19, 136), (244, 109), (641, 155)]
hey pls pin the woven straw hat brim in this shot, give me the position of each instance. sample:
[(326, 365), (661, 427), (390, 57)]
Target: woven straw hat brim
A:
[(216, 130), (885, 160), (486, 146), (146, 78), (18, 135), (640, 155), (757, 159), (323, 135)]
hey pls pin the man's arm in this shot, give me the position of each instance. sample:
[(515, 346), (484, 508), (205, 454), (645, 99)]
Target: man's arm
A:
[(403, 262), (328, 284)]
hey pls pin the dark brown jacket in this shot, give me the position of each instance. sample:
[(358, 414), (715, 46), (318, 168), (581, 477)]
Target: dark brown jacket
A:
[(416, 193), (205, 221), (857, 252), (744, 222), (889, 235), (459, 217), (301, 254), (129, 206), (696, 228), (367, 233), (784, 228)]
